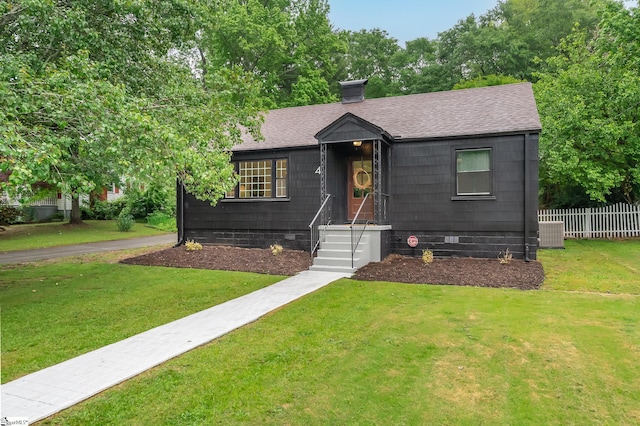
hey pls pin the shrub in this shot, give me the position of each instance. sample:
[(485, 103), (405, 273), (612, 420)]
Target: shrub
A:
[(86, 213), (427, 256), (103, 210), (505, 258), (276, 249), (125, 221), (162, 221), (191, 245), (154, 199), (9, 215), (28, 214), (109, 210), (138, 203)]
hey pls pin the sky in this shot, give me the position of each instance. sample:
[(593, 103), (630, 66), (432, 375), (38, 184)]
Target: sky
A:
[(404, 20)]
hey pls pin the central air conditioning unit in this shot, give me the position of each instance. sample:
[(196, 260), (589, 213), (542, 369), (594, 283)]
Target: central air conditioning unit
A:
[(551, 234)]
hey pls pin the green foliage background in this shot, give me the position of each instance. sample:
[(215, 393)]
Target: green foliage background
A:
[(93, 92)]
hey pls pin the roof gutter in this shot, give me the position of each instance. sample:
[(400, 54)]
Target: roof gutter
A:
[(465, 136)]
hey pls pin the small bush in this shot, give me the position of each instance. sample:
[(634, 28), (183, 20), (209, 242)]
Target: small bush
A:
[(162, 221), (9, 215), (86, 213), (155, 198), (191, 245), (103, 210), (276, 249), (108, 210), (505, 258), (427, 256), (28, 214), (138, 203), (125, 222)]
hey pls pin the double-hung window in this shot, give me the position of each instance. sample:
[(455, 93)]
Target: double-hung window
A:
[(281, 178), (473, 172), (260, 179)]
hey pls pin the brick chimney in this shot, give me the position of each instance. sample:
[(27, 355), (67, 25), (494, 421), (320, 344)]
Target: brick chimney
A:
[(353, 91)]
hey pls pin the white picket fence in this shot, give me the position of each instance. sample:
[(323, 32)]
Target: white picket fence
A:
[(613, 221)]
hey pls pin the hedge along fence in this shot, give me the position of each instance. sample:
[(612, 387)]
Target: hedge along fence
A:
[(613, 221)]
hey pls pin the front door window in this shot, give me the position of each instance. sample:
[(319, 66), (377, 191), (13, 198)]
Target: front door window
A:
[(360, 184)]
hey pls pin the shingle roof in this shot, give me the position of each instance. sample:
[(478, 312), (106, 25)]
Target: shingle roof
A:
[(467, 112)]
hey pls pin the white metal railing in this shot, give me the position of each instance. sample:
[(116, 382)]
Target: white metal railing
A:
[(613, 221), (324, 214), (354, 247)]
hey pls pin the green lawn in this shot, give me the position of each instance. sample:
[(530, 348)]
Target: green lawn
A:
[(355, 352), (54, 311), (41, 235), (594, 265), (388, 354)]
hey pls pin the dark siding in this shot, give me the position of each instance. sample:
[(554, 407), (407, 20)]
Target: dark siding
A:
[(421, 184), (258, 223), (424, 203)]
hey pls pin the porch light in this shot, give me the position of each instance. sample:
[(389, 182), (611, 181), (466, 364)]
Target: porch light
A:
[(357, 143)]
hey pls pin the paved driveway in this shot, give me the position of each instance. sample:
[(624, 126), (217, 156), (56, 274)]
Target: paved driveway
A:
[(88, 248)]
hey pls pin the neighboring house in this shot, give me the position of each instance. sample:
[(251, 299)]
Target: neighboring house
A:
[(46, 208), (458, 170)]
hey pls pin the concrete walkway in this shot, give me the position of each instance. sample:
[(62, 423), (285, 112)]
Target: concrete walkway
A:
[(46, 392), (79, 249)]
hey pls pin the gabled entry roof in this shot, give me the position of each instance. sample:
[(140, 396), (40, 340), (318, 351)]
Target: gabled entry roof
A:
[(468, 112), (350, 127)]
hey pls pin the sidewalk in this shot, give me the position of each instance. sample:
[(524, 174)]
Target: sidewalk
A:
[(76, 250), (46, 392)]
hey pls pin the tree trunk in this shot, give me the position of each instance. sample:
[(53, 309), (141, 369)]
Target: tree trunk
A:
[(76, 215)]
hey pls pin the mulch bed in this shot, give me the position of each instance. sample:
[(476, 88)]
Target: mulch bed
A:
[(455, 271), (225, 258), (395, 268)]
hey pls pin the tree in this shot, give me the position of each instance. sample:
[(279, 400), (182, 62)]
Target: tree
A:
[(485, 81), (477, 47), (542, 24), (508, 39), (371, 55), (589, 102), (94, 91), (419, 69), (288, 45)]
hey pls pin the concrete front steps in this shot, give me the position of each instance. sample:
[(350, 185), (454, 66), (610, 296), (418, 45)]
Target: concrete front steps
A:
[(334, 254)]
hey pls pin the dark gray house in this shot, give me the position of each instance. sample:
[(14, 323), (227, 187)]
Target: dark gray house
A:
[(457, 171)]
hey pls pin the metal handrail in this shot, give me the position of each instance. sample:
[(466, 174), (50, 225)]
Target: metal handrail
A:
[(355, 218), (315, 240)]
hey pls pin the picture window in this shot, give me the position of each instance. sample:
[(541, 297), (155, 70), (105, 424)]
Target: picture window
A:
[(260, 179)]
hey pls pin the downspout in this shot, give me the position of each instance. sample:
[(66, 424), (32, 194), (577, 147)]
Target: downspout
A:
[(180, 213), (527, 194)]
